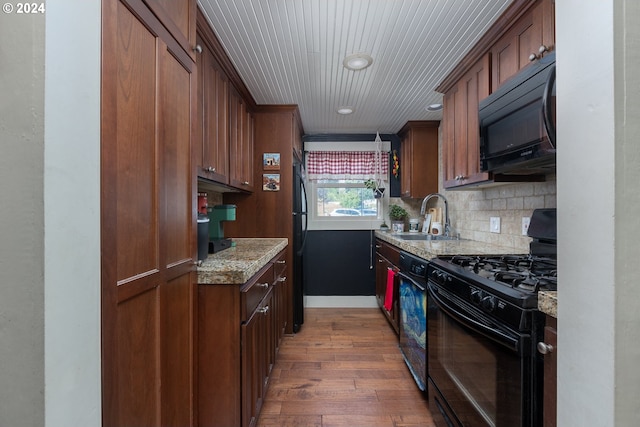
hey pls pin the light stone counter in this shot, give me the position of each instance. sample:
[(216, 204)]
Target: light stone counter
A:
[(238, 264), (548, 303), (428, 249)]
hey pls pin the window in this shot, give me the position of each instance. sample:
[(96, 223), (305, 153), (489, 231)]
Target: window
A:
[(344, 198), (338, 197)]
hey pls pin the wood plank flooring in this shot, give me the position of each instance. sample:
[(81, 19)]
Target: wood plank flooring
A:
[(343, 368)]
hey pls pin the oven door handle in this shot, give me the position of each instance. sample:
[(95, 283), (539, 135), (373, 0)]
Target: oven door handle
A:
[(493, 333), (413, 281)]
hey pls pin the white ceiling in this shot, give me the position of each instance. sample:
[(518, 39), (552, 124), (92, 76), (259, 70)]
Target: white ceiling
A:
[(291, 52)]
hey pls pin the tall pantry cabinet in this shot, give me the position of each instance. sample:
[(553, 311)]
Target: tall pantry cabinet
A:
[(148, 212)]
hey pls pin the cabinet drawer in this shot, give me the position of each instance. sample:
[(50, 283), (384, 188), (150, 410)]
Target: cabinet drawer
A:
[(254, 291), (388, 251), (280, 264)]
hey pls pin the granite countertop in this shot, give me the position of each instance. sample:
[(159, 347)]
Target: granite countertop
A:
[(238, 264), (548, 303), (428, 249)]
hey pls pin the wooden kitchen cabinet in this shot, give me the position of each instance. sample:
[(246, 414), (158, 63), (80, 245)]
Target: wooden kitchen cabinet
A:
[(550, 372), (240, 143), (500, 53), (238, 337), (211, 151), (179, 17), (419, 159), (460, 135), (223, 151), (277, 130), (148, 225), (512, 51), (387, 257)]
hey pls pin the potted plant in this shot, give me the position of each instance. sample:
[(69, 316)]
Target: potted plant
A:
[(374, 185), (397, 214)]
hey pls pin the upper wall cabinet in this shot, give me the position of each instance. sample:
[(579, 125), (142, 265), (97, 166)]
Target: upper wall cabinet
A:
[(240, 143), (504, 50), (419, 159), (528, 38), (179, 17), (223, 149), (460, 137), (211, 152)]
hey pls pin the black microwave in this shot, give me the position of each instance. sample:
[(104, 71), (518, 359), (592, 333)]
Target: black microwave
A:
[(517, 122)]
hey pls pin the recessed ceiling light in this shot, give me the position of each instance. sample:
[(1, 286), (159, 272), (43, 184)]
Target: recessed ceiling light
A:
[(434, 107), (345, 110), (357, 61)]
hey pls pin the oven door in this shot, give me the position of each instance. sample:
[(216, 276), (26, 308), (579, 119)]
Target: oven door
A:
[(413, 327), (478, 371)]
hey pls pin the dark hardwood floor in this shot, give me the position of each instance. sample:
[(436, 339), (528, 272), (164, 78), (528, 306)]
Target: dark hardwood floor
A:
[(343, 368)]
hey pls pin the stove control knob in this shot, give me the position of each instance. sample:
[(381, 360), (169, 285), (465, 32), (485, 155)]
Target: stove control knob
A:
[(489, 303), (476, 296)]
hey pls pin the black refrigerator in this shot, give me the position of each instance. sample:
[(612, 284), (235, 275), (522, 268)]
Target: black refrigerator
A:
[(300, 222)]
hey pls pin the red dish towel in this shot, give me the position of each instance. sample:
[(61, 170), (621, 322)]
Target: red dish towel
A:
[(388, 296)]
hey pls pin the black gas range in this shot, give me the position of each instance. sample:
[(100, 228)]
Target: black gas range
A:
[(483, 326)]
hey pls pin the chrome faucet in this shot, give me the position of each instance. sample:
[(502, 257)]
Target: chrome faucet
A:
[(423, 209)]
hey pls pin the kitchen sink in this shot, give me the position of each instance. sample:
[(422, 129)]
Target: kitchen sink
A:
[(426, 237)]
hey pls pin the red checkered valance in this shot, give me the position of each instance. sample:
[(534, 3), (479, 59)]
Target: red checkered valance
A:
[(347, 165)]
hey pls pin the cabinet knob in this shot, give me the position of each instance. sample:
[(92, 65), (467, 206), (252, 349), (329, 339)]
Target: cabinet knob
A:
[(209, 169), (263, 310), (262, 285), (197, 48), (245, 183), (541, 50), (282, 279), (197, 263), (544, 348)]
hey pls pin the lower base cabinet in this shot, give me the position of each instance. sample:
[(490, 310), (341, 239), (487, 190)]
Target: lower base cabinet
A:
[(550, 371), (387, 258), (239, 332)]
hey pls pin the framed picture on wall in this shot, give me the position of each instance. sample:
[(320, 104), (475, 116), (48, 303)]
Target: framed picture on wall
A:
[(271, 161), (271, 182)]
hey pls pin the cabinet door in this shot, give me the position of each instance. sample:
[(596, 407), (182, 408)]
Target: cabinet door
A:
[(257, 345), (148, 229), (419, 159), (550, 374), (461, 136), (211, 151), (240, 143), (512, 51), (179, 17)]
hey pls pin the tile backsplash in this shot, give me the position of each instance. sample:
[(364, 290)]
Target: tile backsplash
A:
[(471, 210)]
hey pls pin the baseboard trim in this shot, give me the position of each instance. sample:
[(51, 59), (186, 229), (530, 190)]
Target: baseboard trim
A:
[(340, 301)]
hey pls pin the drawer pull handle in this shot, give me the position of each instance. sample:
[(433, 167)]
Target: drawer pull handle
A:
[(263, 310), (281, 261), (263, 285), (282, 279)]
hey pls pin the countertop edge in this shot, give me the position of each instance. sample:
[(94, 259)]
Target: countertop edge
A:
[(238, 264), (548, 303)]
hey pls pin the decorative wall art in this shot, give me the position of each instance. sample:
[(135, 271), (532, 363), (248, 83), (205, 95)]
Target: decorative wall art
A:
[(271, 161), (271, 182)]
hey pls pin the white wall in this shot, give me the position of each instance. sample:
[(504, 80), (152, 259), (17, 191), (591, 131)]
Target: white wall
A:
[(21, 220), (598, 201), (49, 216), (72, 214)]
